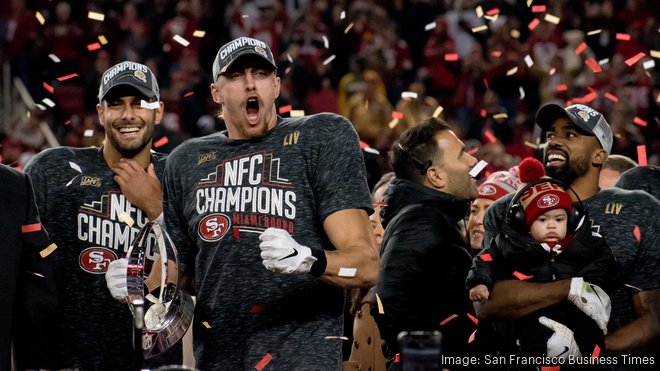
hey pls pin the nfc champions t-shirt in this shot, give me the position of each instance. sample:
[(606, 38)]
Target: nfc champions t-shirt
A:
[(219, 196), (80, 206)]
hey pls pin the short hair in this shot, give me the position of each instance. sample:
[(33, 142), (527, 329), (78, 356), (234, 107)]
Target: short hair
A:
[(619, 163), (416, 149), (383, 181)]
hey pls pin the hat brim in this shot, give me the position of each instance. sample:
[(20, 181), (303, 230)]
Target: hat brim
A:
[(141, 89), (549, 113), (242, 54)]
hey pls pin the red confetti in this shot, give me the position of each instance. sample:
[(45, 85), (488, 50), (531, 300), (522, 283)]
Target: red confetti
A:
[(285, 109), (364, 145), (188, 94), (472, 336), (264, 361), (611, 97), (64, 78), (641, 155), (237, 234), (521, 276), (623, 36), (161, 142), (596, 352), (256, 308), (538, 8), (532, 25), (93, 46), (473, 318), (444, 322), (483, 112), (595, 67), (473, 151), (493, 11), (496, 53), (27, 228), (633, 60), (561, 87), (490, 137), (451, 57), (67, 122), (550, 368), (640, 122), (580, 48), (637, 233), (48, 87), (486, 257), (486, 85), (591, 96), (397, 115), (397, 358)]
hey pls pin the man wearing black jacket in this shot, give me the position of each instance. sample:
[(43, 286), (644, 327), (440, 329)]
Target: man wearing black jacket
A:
[(424, 257)]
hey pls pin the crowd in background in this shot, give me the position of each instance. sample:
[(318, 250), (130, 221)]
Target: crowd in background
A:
[(385, 65)]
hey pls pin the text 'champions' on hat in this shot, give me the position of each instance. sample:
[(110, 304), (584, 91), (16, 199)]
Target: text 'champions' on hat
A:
[(586, 118), (133, 74), (233, 50)]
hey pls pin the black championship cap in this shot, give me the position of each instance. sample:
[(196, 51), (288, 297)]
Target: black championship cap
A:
[(135, 75), (233, 50), (586, 118)]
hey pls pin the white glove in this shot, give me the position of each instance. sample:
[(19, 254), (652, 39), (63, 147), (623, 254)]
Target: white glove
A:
[(562, 343), (592, 300), (282, 254), (115, 279)]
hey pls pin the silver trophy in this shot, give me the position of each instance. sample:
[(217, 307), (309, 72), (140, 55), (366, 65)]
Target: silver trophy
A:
[(163, 315)]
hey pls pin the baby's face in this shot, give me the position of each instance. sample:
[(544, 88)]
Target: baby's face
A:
[(550, 226)]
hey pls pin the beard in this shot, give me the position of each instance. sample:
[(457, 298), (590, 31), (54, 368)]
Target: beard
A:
[(130, 149), (570, 170)]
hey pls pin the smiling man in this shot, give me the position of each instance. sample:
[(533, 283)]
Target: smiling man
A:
[(271, 221), (578, 143), (83, 195)]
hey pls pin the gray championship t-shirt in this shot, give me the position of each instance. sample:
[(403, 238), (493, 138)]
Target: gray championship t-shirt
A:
[(220, 195), (80, 206), (628, 220)]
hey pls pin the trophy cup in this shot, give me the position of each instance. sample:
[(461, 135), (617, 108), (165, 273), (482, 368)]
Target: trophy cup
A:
[(163, 315)]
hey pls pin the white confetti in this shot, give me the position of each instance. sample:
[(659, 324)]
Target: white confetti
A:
[(512, 71), (326, 42), (529, 61), (199, 33), (40, 106), (181, 40), (483, 27), (347, 272), (288, 57), (152, 105), (89, 133), (594, 32), (96, 16), (71, 181), (409, 95), (75, 167), (552, 18), (604, 61), (342, 15), (124, 217), (54, 58), (48, 102), (649, 64), (329, 59), (296, 113), (429, 26), (522, 92), (479, 11), (438, 111), (478, 168)]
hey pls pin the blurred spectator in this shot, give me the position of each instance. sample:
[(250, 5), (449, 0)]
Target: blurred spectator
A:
[(613, 167)]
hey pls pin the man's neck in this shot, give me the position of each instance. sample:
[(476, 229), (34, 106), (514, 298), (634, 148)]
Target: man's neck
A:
[(586, 186), (112, 156)]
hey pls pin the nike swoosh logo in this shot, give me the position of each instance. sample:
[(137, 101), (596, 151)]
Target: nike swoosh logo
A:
[(596, 292), (565, 350), (294, 253)]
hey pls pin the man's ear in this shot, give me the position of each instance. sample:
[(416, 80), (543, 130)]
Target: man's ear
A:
[(436, 177), (99, 112), (599, 158), (215, 93)]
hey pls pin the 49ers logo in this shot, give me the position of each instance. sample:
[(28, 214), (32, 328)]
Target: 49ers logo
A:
[(96, 259), (213, 227)]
